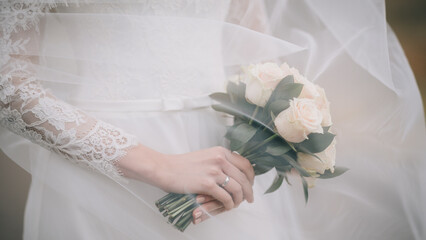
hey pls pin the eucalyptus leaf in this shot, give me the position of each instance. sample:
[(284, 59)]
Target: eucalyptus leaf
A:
[(273, 116), (235, 145), (241, 105), (283, 169), (275, 184), (326, 129), (261, 136), (230, 129), (337, 172), (277, 148), (243, 133), (316, 142), (286, 179), (305, 189), (287, 79), (232, 110), (286, 89), (269, 161), (278, 106), (220, 97), (236, 91), (296, 165), (261, 169), (289, 91)]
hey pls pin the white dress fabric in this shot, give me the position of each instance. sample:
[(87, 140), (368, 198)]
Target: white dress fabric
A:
[(147, 68)]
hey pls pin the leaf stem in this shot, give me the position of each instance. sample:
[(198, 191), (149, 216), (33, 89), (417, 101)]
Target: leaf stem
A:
[(254, 115), (263, 143)]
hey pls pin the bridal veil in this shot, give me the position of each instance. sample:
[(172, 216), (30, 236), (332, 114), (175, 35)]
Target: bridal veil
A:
[(148, 67)]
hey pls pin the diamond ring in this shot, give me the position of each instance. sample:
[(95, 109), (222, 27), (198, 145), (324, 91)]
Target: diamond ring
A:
[(225, 182)]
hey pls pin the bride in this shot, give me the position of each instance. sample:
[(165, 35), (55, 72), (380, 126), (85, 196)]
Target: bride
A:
[(121, 88)]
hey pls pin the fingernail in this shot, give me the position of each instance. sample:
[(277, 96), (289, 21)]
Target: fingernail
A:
[(236, 153), (197, 221), (198, 214), (200, 199)]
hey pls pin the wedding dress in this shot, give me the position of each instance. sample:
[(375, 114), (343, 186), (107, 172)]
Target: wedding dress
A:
[(120, 73)]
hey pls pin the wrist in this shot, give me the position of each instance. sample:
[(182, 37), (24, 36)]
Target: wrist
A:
[(141, 163)]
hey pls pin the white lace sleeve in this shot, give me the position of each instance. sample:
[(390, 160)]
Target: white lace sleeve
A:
[(32, 112)]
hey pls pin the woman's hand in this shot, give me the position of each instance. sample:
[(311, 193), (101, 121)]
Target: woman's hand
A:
[(200, 172), (208, 207)]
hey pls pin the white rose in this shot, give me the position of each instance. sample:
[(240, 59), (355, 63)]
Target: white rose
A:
[(314, 165), (309, 90), (324, 106), (299, 120), (262, 80), (286, 69)]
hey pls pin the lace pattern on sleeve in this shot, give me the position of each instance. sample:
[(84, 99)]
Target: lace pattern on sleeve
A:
[(32, 112)]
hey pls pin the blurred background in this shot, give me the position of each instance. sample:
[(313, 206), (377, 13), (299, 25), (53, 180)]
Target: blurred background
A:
[(406, 17), (408, 20)]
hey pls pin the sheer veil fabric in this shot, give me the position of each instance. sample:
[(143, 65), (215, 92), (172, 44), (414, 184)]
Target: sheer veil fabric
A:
[(147, 67)]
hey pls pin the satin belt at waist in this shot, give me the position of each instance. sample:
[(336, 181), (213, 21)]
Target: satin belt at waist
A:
[(144, 105)]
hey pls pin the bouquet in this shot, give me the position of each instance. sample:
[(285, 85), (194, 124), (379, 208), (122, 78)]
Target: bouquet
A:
[(282, 121)]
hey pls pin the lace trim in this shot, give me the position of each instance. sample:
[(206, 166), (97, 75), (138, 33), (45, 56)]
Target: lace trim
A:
[(28, 110), (60, 128), (104, 146)]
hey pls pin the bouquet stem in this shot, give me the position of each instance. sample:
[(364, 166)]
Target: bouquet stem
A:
[(178, 206)]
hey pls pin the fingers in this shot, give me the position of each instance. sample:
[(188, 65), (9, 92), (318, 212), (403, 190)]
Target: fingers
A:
[(213, 213), (221, 195), (234, 173), (235, 189), (201, 198), (206, 210), (243, 164)]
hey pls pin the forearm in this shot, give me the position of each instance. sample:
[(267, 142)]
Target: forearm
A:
[(142, 163)]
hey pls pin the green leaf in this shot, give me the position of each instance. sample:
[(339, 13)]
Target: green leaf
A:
[(296, 165), (273, 116), (286, 90), (277, 148), (235, 145), (286, 179), (305, 189), (230, 129), (275, 184), (269, 161), (261, 169), (220, 97), (316, 142), (289, 91), (287, 79), (337, 172), (261, 136), (278, 106), (283, 170), (240, 104), (243, 133), (230, 109), (236, 91)]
